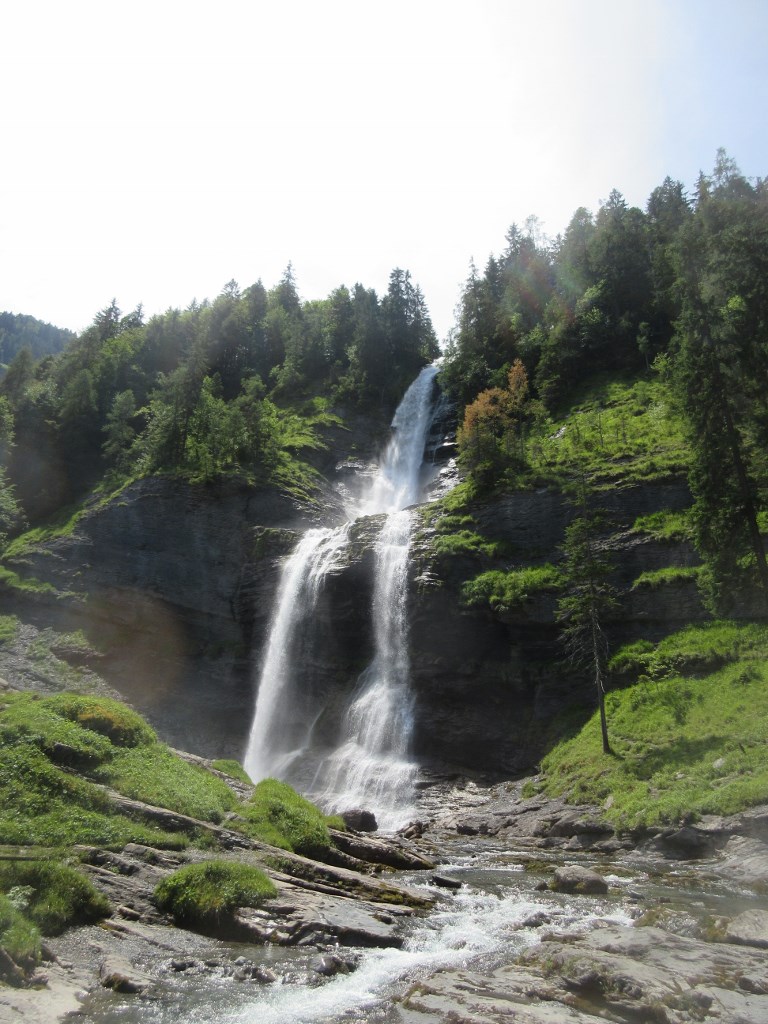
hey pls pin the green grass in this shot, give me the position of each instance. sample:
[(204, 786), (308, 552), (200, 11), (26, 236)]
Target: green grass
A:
[(203, 893), (45, 804), (9, 628), (504, 590), (233, 769), (27, 585), (156, 776), (109, 718), (464, 542), (664, 525), (690, 738), (621, 430), (655, 578), (55, 895), (63, 525), (278, 815), (696, 649), (19, 937)]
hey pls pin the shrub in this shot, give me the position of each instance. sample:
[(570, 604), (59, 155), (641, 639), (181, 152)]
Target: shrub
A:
[(57, 895), (278, 815), (109, 718), (202, 893)]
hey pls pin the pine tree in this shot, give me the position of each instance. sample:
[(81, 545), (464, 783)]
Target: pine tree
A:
[(588, 598)]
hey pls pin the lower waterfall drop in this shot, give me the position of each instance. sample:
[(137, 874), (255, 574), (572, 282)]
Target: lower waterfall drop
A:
[(369, 765)]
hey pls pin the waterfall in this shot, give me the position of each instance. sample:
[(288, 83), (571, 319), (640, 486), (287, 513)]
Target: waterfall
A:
[(282, 720), (369, 766)]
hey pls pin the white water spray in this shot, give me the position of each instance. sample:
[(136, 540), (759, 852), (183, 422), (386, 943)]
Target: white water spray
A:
[(280, 733), (369, 766)]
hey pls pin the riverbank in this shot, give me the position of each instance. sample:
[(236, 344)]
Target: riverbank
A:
[(692, 949), (674, 930)]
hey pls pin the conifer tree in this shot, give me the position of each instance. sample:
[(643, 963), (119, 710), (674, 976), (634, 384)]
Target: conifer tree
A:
[(588, 597)]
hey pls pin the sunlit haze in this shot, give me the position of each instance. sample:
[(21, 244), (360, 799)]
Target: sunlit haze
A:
[(153, 151)]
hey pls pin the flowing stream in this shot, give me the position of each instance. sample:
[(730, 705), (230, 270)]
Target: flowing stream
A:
[(369, 765), (487, 923)]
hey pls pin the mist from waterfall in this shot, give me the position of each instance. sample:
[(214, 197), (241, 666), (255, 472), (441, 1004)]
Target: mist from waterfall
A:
[(369, 765)]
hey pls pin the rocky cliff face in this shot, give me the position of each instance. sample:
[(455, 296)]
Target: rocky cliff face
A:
[(176, 583), (488, 684)]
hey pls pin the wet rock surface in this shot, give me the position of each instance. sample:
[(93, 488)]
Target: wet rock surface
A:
[(692, 953), (651, 936), (610, 973)]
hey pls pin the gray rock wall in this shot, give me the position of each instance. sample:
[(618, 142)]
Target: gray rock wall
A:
[(489, 684), (175, 584)]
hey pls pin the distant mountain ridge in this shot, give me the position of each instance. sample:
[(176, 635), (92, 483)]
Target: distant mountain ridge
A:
[(18, 331)]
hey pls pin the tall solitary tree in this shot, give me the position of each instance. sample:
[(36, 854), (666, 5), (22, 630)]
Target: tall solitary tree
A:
[(588, 597)]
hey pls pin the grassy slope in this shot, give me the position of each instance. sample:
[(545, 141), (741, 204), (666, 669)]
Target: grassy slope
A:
[(56, 755), (623, 430), (690, 735)]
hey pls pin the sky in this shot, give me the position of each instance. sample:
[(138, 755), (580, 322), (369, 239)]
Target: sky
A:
[(152, 151)]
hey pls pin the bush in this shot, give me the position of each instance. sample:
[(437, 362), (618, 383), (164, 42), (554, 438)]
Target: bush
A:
[(202, 893), (57, 896), (109, 718), (504, 590), (278, 815)]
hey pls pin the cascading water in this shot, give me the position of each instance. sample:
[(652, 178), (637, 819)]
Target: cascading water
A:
[(280, 732), (371, 768), (369, 765)]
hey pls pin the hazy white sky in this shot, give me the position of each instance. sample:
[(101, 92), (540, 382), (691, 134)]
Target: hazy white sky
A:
[(152, 151)]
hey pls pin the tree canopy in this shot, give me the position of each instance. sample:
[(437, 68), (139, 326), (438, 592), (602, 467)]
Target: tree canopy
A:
[(217, 387)]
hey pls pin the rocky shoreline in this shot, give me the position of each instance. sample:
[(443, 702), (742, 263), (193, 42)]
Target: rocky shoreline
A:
[(666, 966)]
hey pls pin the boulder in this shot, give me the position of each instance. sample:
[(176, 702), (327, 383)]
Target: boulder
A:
[(119, 974), (360, 820), (572, 878), (445, 882), (329, 965), (749, 929)]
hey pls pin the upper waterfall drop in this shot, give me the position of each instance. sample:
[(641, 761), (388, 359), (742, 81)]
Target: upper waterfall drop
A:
[(397, 483), (368, 762)]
